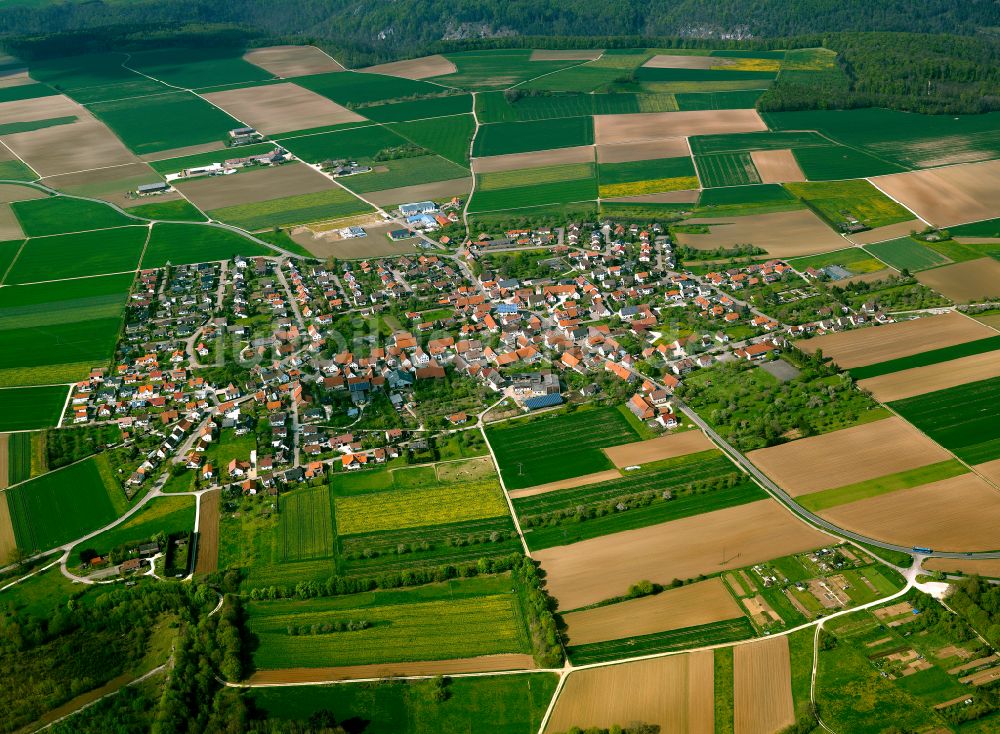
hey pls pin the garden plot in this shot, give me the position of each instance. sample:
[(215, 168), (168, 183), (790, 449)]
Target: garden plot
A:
[(611, 129), (859, 347), (777, 166), (947, 196), (656, 449), (247, 187), (762, 682), (644, 151), (79, 146), (422, 68), (956, 514), (696, 604), (515, 161), (847, 456), (782, 234), (674, 693), (279, 108), (965, 282), (292, 61), (600, 568), (930, 378)]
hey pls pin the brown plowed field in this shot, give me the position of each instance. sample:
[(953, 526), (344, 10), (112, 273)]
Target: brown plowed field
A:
[(79, 146), (647, 151), (668, 61), (990, 470), (782, 234), (291, 179), (41, 108), (208, 533), (279, 108), (700, 603), (569, 54), (684, 196), (989, 567), (289, 61), (8, 543), (762, 687), (965, 282), (10, 228), (600, 568), (15, 78), (847, 456), (957, 514), (860, 347), (777, 166), (611, 129), (675, 692), (483, 664), (538, 159), (165, 155), (931, 378), (888, 232), (595, 478), (655, 449), (422, 192), (421, 68), (111, 184), (13, 192), (947, 196)]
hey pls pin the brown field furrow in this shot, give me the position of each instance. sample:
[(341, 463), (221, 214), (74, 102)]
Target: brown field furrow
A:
[(10, 228), (569, 54), (646, 151), (279, 108), (15, 78), (422, 192), (611, 129), (947, 196), (655, 449), (847, 456), (762, 687), (537, 159), (977, 240), (41, 108), (777, 166), (931, 378), (13, 192), (482, 664), (421, 68), (8, 543), (782, 234), (671, 61), (700, 603), (964, 282), (208, 533), (990, 471), (165, 155), (595, 478), (674, 692), (246, 187), (684, 196), (957, 514), (888, 232), (988, 567), (874, 344), (290, 61), (600, 568), (79, 146)]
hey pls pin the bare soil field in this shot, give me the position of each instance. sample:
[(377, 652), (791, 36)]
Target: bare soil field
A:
[(977, 240), (568, 54), (989, 567), (684, 196), (947, 196), (888, 232), (604, 567), (15, 78), (674, 692), (701, 603), (10, 228), (847, 456), (860, 347), (538, 159), (289, 61), (762, 687), (13, 192), (782, 234), (79, 146), (214, 192), (41, 108), (645, 151), (421, 68), (655, 449), (610, 129), (595, 478), (208, 533), (165, 155), (279, 108), (8, 544), (920, 380), (376, 244), (965, 282), (668, 61), (990, 471), (957, 514), (482, 664), (777, 166), (422, 192)]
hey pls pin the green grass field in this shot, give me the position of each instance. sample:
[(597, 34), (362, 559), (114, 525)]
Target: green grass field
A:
[(179, 210), (836, 162), (533, 176), (962, 419), (746, 142), (364, 89), (688, 637), (57, 507), (516, 704), (166, 515), (93, 77), (906, 253), (521, 137), (190, 243), (496, 68), (405, 172), (16, 171), (734, 201), (560, 446), (465, 618), (737, 100), (988, 228), (306, 524), (818, 501), (934, 356), (358, 143), (421, 109), (60, 214), (853, 258), (164, 121), (25, 408), (332, 203), (18, 456), (495, 107), (449, 137), (858, 198), (726, 169), (25, 91), (619, 173), (562, 192), (77, 255), (11, 128), (192, 68)]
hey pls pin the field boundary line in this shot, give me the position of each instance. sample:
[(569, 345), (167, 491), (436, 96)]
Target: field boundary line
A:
[(62, 414), (10, 267), (28, 165)]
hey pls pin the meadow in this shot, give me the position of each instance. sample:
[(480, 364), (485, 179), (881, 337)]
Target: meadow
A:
[(25, 91), (23, 409), (93, 77), (495, 107), (61, 214), (357, 90), (496, 68), (421, 109), (906, 253), (77, 255), (726, 169), (533, 176), (922, 359), (179, 210), (16, 171), (406, 172), (746, 142), (449, 137), (562, 192), (744, 200), (714, 633), (192, 68), (332, 203), (191, 243), (962, 419), (166, 515), (735, 100), (835, 162), (854, 259), (859, 198), (357, 144), (57, 507), (305, 524), (989, 228), (560, 446), (637, 171), (18, 454), (827, 498), (501, 138)]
